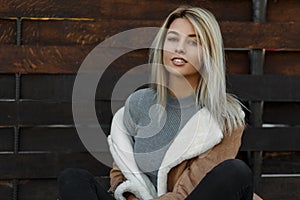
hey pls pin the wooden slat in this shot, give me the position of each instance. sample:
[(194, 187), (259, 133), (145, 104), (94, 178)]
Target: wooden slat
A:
[(279, 188), (271, 139), (120, 9), (55, 87), (52, 139), (282, 62), (7, 86), (55, 32), (247, 87), (6, 189), (281, 113), (283, 10), (261, 35), (237, 62), (45, 113), (267, 87), (60, 113), (67, 140), (36, 189), (6, 139), (8, 31), (38, 165), (34, 59), (235, 34), (8, 114), (47, 189), (281, 163)]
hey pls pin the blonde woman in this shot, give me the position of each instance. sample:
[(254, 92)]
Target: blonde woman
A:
[(178, 139)]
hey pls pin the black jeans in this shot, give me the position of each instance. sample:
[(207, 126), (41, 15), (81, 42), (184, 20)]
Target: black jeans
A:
[(232, 180)]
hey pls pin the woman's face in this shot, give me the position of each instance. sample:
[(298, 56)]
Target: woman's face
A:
[(181, 46)]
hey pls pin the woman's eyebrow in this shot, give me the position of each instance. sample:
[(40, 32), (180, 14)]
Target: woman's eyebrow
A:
[(176, 33)]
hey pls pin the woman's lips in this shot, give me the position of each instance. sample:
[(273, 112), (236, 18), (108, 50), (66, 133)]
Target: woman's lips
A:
[(178, 61)]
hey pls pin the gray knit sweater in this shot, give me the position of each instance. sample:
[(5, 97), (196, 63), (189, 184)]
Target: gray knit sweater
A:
[(153, 133)]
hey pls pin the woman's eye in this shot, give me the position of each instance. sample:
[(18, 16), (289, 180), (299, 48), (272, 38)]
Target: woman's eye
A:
[(192, 42), (172, 39)]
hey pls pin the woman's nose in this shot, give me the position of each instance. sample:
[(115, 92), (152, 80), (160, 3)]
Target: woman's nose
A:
[(180, 48)]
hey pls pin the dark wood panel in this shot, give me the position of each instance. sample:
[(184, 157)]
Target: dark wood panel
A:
[(271, 139), (6, 189), (281, 163), (8, 114), (235, 34), (237, 62), (45, 113), (56, 87), (41, 165), (120, 9), (46, 189), (60, 113), (282, 62), (8, 33), (34, 189), (267, 87), (279, 188), (7, 86), (281, 113), (6, 139), (50, 139), (53, 139), (248, 87), (283, 10)]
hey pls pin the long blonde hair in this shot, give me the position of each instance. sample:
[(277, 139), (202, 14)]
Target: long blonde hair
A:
[(211, 89)]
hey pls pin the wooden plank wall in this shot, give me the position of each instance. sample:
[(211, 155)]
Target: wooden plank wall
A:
[(43, 43)]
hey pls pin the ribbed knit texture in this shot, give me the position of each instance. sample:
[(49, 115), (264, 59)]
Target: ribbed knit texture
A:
[(151, 132)]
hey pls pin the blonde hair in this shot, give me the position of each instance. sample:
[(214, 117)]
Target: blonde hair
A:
[(211, 90)]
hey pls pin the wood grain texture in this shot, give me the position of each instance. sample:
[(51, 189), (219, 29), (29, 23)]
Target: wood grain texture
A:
[(235, 34), (47, 59), (8, 33), (67, 59), (120, 9), (283, 10), (282, 62)]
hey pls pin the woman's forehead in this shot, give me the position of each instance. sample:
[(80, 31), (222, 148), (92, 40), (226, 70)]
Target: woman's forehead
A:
[(182, 26)]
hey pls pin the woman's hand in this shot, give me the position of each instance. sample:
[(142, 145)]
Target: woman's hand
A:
[(130, 196)]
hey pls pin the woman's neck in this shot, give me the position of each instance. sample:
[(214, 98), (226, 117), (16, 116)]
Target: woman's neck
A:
[(183, 86)]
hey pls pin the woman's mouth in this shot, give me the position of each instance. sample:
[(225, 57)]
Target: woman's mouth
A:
[(178, 61)]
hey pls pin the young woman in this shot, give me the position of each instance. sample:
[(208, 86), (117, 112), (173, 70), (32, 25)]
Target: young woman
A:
[(178, 139)]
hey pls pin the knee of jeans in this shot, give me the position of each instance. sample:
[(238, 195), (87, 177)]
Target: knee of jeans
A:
[(240, 169), (73, 175)]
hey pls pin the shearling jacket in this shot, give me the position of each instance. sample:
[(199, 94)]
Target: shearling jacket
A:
[(178, 178)]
